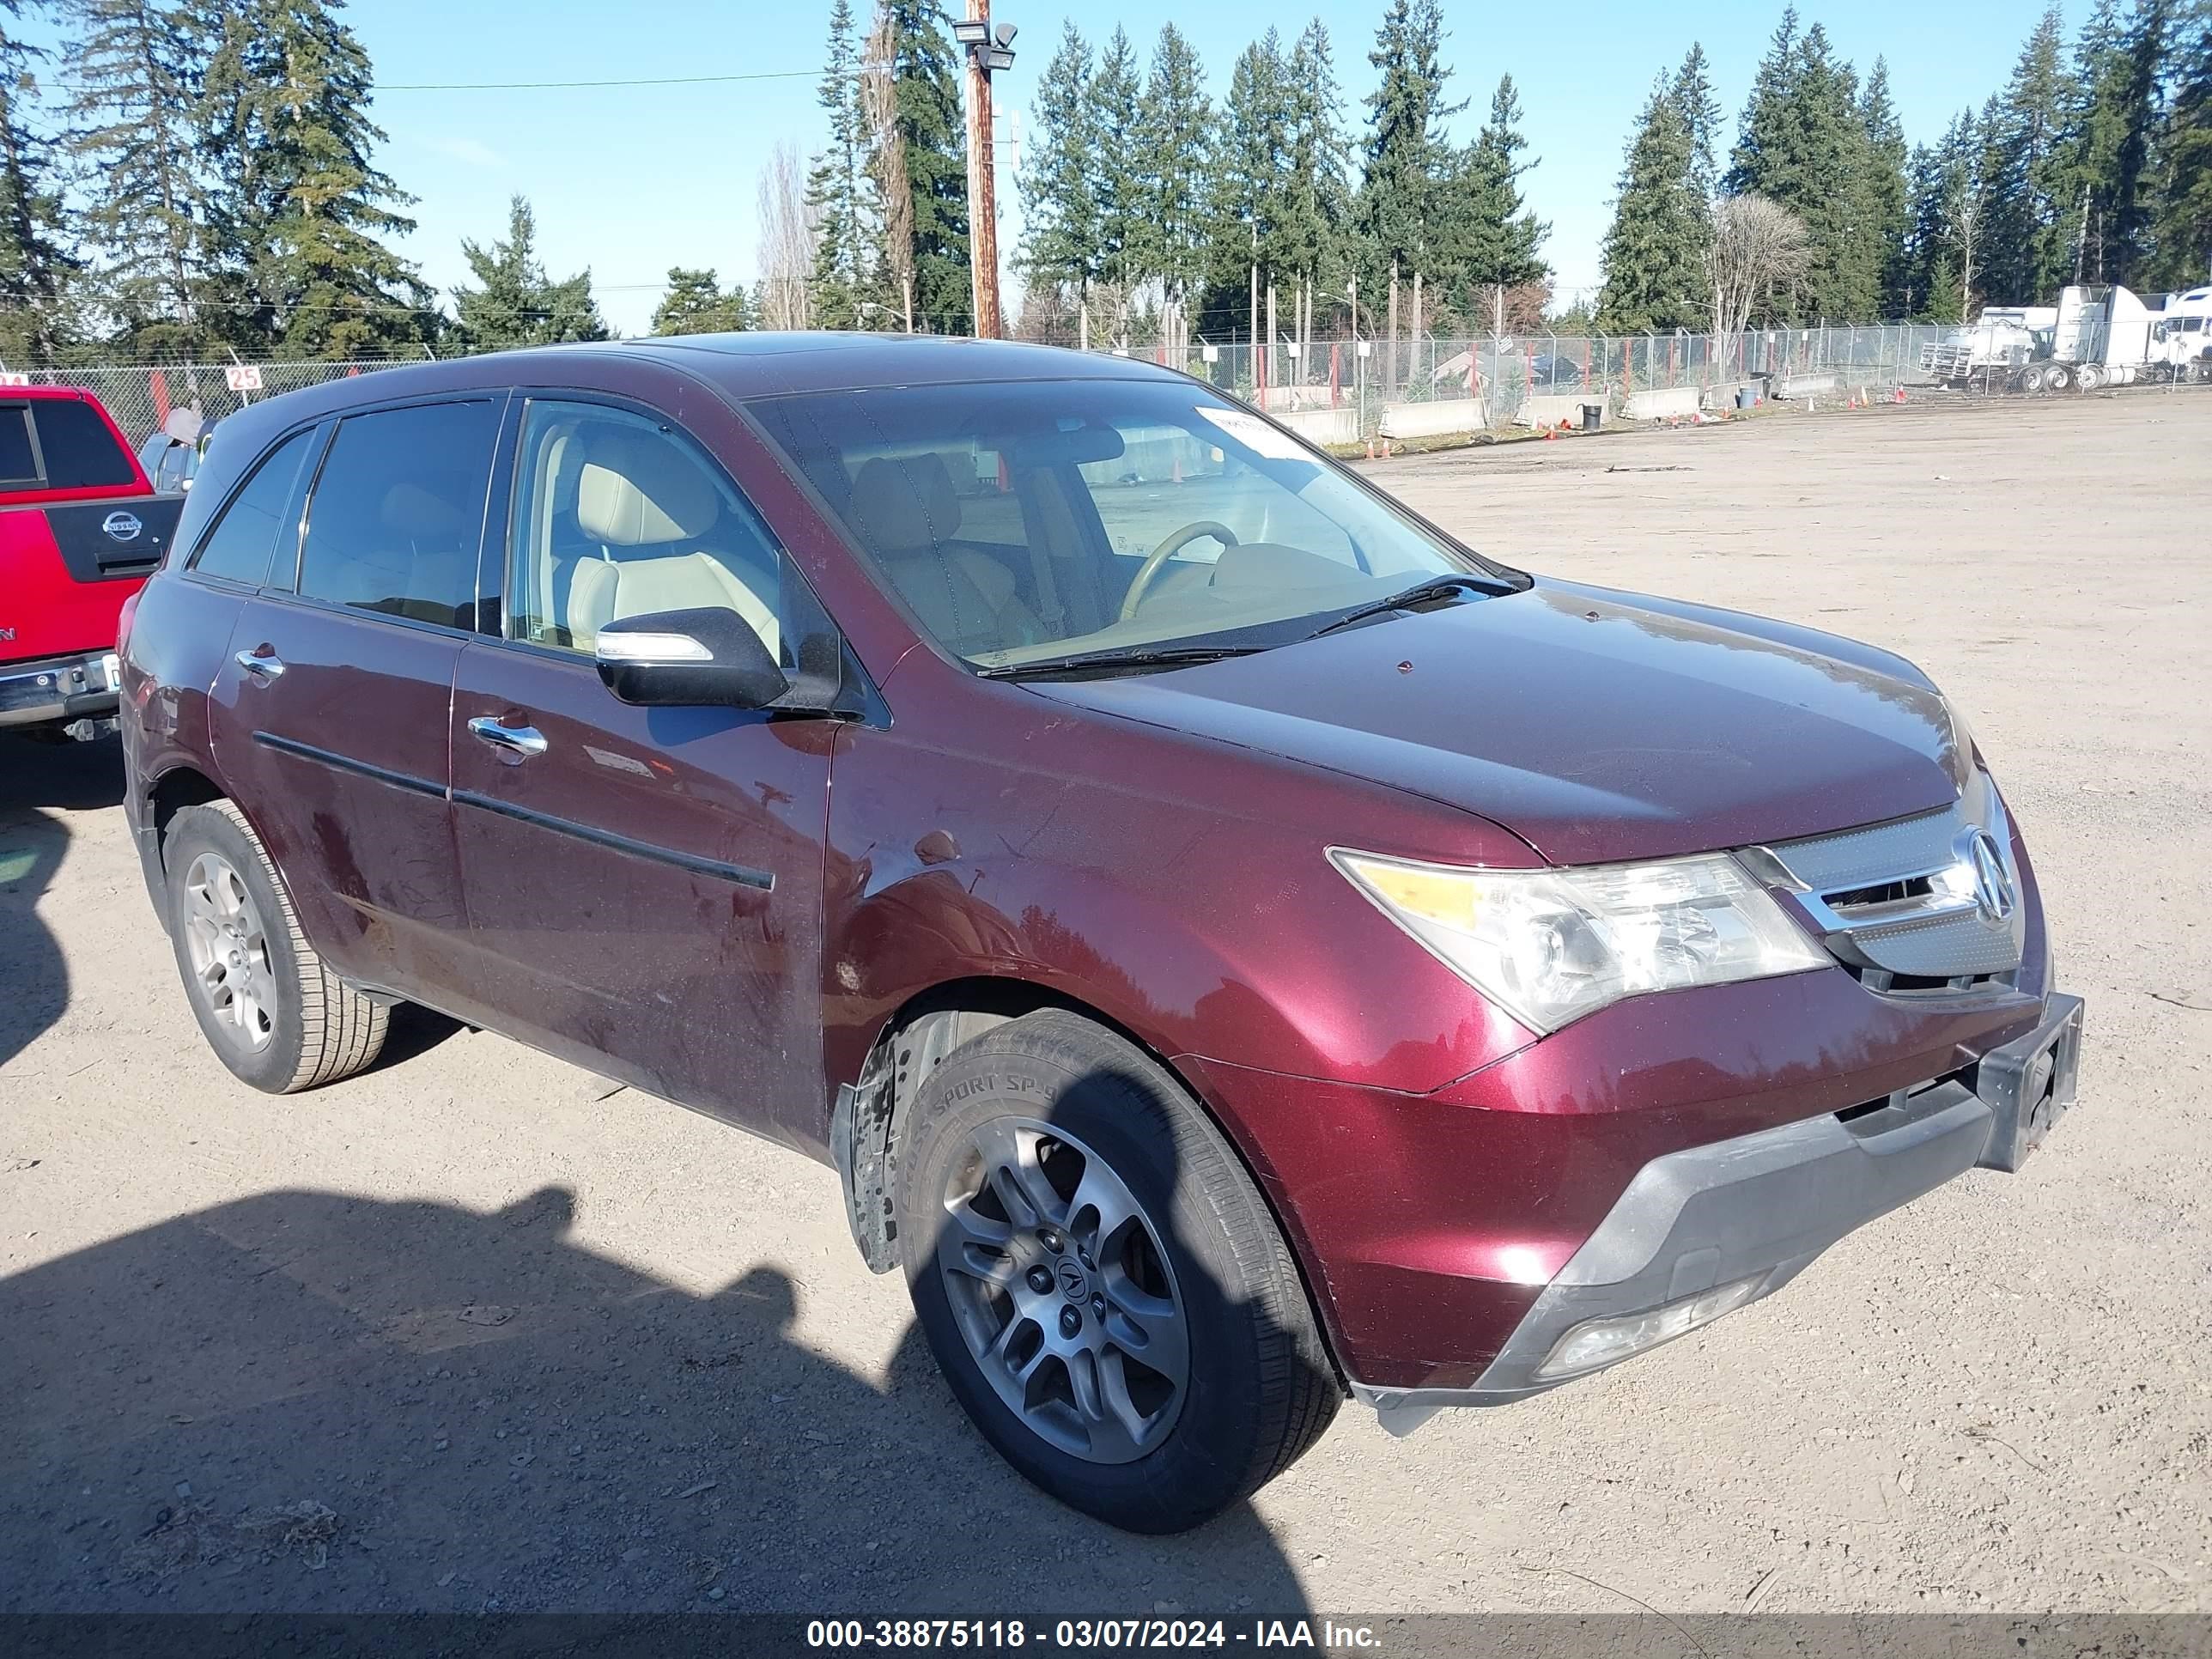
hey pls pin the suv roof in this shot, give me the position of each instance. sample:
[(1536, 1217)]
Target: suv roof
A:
[(739, 366)]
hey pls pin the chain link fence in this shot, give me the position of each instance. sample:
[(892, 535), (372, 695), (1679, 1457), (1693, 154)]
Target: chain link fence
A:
[(140, 397), (1346, 390)]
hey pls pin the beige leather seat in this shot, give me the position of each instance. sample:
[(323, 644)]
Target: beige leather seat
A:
[(639, 491), (907, 512)]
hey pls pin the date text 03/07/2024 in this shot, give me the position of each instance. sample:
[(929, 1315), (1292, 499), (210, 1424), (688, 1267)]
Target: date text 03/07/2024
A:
[(1072, 1634)]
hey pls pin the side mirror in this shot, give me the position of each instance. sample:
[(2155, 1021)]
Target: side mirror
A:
[(704, 658)]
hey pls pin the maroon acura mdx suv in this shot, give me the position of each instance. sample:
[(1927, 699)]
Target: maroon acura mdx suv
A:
[(1235, 945)]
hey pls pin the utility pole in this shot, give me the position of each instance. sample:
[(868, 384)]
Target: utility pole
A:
[(988, 50)]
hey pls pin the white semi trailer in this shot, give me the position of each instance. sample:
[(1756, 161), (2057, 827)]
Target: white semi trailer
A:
[(2095, 336)]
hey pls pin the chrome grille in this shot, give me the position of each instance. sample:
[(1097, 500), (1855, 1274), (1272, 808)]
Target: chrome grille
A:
[(1896, 902)]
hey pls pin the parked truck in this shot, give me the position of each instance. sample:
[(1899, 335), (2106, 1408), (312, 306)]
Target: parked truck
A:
[(2095, 336), (2182, 336), (2003, 339), (81, 529)]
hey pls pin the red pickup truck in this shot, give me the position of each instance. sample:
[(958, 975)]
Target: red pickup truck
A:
[(81, 529)]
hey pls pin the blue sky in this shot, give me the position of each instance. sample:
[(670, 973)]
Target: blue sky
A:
[(631, 180)]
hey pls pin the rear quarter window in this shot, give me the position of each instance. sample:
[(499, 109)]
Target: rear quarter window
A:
[(239, 546), (79, 450), (19, 462)]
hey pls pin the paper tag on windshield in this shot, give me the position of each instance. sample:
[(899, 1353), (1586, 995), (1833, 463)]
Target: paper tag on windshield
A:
[(1269, 442)]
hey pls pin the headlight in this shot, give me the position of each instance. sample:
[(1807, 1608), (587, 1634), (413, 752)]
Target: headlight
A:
[(1550, 945)]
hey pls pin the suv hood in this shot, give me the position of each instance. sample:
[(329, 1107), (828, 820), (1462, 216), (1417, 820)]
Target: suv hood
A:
[(1596, 726)]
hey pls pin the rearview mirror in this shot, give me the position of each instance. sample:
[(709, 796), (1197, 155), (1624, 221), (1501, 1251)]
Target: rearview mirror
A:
[(702, 658)]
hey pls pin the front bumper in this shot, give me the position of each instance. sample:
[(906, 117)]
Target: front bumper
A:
[(1761, 1206), (59, 690)]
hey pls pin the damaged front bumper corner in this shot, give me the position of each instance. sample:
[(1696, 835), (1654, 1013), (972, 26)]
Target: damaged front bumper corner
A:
[(1703, 1231)]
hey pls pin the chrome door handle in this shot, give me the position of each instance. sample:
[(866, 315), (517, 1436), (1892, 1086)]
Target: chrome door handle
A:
[(263, 665), (519, 739)]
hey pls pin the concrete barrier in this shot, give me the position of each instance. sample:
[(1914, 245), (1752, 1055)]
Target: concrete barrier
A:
[(1550, 408), (1802, 385), (1435, 420), (1322, 426), (1277, 398), (1722, 396), (1670, 403)]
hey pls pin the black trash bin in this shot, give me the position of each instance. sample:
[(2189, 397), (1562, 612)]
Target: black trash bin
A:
[(1593, 416)]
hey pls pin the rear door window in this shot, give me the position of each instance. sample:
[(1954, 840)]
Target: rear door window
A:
[(397, 512), (79, 451), (239, 548)]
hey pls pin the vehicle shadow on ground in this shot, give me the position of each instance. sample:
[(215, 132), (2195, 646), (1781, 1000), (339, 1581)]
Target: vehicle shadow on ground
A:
[(39, 781), (307, 1401)]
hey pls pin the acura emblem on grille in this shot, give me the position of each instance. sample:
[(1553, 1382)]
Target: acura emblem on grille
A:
[(1993, 889)]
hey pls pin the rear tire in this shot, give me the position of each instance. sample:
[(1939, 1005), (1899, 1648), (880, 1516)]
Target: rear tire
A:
[(1101, 1282), (2058, 376), (271, 1011)]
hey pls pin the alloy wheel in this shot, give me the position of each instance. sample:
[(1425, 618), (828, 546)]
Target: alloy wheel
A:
[(1062, 1292), (230, 951)]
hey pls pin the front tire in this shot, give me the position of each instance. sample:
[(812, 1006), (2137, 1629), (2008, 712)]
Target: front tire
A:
[(271, 1011), (1101, 1282)]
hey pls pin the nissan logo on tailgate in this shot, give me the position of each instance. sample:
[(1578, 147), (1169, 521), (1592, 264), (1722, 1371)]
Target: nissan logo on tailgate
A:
[(122, 526)]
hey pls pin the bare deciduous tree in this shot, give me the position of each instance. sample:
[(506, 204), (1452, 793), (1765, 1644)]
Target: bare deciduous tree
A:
[(787, 237), (879, 100), (1760, 251)]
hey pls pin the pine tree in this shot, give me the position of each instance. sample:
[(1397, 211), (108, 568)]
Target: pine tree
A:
[(695, 304), (133, 80), (1404, 208), (840, 190), (1176, 153), (1059, 213), (2132, 198), (2034, 220), (929, 172), (317, 208), (1700, 108), (1765, 139), (1116, 179), (1952, 199), (1316, 198), (1252, 167), (1802, 144), (1498, 238), (1883, 209), (515, 303), (1653, 253), (34, 261), (2184, 222), (2119, 70)]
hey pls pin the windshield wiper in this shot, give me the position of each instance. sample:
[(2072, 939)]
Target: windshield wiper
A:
[(1436, 588), (1143, 656)]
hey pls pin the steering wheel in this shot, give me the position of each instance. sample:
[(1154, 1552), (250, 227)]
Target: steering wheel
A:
[(1197, 529)]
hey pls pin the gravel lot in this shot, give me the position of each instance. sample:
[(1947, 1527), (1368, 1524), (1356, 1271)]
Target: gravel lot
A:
[(469, 1333)]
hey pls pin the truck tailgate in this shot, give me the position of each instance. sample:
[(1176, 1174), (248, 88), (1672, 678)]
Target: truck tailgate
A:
[(66, 569)]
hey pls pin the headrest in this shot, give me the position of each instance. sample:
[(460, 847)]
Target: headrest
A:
[(905, 504), (414, 512), (634, 492)]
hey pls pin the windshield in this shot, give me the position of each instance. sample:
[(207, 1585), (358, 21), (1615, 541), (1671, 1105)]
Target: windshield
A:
[(1028, 521)]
